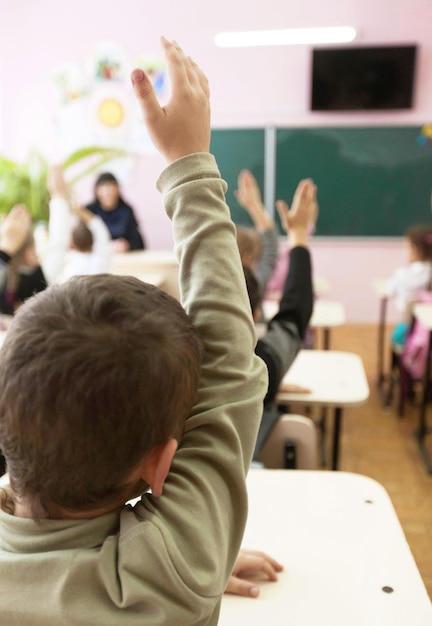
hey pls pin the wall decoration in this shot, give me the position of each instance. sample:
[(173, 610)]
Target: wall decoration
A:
[(425, 136), (96, 104)]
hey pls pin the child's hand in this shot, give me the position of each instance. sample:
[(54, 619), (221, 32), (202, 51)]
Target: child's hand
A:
[(56, 183), (15, 229), (120, 245), (297, 220), (251, 563), (248, 195), (182, 126)]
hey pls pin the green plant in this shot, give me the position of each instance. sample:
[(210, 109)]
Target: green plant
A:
[(25, 183)]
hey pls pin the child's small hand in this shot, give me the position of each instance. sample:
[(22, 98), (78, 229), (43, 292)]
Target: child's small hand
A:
[(297, 220), (292, 388), (248, 195), (250, 563), (15, 229), (56, 183), (183, 125)]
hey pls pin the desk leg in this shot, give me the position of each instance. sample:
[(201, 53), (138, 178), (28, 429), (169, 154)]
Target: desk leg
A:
[(423, 429), (326, 338), (381, 338), (322, 425), (336, 436)]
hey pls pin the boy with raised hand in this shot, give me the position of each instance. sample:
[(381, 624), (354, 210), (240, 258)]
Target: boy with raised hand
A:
[(259, 245), (101, 380)]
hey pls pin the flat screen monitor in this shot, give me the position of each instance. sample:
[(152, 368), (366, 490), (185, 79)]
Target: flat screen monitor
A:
[(363, 78)]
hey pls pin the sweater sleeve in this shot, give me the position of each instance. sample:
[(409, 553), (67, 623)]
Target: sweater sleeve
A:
[(59, 228), (201, 515), (269, 256), (101, 250), (280, 345)]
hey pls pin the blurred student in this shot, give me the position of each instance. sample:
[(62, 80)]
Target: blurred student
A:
[(406, 282), (258, 246), (285, 332), (118, 216), (79, 241), (21, 274), (110, 389)]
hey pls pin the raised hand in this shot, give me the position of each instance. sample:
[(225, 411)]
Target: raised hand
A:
[(182, 126), (248, 195), (56, 183), (15, 229), (297, 220)]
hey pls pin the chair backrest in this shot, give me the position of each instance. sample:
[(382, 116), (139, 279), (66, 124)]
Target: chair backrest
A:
[(291, 434)]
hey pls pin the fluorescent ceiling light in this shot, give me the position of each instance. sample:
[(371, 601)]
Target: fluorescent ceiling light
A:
[(289, 36)]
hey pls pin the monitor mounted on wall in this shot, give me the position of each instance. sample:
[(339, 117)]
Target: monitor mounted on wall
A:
[(363, 78)]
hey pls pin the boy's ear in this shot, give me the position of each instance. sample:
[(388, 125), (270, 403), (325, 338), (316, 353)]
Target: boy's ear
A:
[(156, 466)]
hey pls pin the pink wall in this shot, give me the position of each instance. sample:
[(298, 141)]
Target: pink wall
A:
[(264, 86)]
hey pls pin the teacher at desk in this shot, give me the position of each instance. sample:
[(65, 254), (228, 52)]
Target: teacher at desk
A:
[(118, 216)]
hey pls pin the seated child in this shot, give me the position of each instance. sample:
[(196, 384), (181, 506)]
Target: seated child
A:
[(285, 333), (406, 282), (110, 389), (21, 274), (73, 249)]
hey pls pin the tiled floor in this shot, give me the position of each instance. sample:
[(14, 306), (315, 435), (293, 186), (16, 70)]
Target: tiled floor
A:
[(379, 444)]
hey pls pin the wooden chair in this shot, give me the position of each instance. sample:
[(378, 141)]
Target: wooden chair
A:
[(291, 444)]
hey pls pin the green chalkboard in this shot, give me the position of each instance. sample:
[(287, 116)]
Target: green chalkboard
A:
[(372, 181), (237, 149)]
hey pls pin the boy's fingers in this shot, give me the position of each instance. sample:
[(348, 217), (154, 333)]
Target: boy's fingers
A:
[(176, 62), (145, 94), (241, 587)]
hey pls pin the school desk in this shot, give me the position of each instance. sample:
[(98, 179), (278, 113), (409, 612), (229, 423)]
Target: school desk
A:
[(159, 267), (335, 380), (346, 560), (326, 314), (423, 313)]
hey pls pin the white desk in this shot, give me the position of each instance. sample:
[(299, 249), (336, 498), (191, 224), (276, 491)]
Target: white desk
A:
[(336, 379), (160, 267), (341, 544), (326, 314)]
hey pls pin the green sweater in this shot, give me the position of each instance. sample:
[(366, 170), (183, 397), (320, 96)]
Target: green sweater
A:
[(164, 560)]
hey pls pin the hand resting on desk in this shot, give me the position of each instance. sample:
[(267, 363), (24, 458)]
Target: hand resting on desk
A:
[(249, 569), (293, 388)]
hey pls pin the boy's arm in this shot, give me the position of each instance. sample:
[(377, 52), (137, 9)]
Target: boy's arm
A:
[(14, 230), (53, 259), (202, 512), (248, 195), (280, 345)]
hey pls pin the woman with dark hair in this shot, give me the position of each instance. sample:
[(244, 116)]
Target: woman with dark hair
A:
[(116, 213)]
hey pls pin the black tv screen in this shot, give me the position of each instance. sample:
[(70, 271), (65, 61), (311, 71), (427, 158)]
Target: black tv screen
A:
[(363, 78)]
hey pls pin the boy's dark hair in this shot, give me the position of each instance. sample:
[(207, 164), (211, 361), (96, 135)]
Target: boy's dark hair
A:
[(94, 373), (82, 238), (253, 288), (420, 237)]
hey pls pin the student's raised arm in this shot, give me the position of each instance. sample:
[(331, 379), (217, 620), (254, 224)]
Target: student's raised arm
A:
[(202, 511)]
